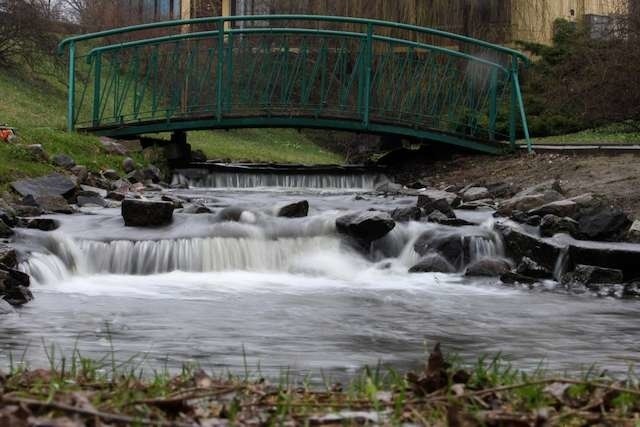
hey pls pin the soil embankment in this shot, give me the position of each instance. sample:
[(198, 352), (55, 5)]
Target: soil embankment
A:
[(616, 176)]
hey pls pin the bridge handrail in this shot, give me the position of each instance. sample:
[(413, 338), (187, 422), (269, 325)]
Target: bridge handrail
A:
[(175, 37), (317, 18)]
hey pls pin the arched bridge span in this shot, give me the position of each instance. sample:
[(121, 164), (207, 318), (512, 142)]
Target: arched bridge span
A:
[(296, 71)]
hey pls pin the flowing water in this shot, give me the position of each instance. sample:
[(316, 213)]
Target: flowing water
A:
[(289, 293)]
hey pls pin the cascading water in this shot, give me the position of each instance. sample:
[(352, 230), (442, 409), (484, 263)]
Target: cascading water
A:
[(238, 180), (293, 292)]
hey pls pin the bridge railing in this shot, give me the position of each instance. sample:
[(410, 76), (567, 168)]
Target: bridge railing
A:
[(299, 71)]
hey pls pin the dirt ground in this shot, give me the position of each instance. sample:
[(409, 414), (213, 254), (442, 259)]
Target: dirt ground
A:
[(614, 175)]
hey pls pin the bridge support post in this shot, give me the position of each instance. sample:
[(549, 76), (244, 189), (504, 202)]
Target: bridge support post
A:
[(177, 151)]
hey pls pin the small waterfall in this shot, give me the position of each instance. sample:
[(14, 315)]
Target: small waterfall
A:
[(272, 180), (155, 257), (561, 264)]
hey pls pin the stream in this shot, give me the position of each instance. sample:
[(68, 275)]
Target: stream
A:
[(283, 293)]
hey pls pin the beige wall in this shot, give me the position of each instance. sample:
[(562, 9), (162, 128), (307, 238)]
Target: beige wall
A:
[(533, 20)]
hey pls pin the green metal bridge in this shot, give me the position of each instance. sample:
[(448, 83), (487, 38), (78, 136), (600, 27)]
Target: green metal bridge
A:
[(296, 71)]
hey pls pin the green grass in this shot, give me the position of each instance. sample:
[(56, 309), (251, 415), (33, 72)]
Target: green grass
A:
[(262, 145), (622, 134), (34, 102)]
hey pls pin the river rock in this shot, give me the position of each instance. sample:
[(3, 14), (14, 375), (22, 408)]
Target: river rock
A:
[(231, 214), (593, 275), (519, 244), (365, 226), (42, 224), (8, 256), (521, 203), (27, 211), (428, 196), (49, 203), (541, 188), (529, 268), (633, 235), (433, 263), (502, 190), (513, 278), (488, 267), (152, 173), (7, 213), (476, 193), (81, 172), (294, 210), (552, 225), (177, 203), (632, 290), (63, 161), (561, 208), (429, 205), (128, 165), (15, 287), (142, 213), (198, 156), (411, 213), (91, 198), (5, 230), (50, 185), (38, 152), (110, 174), (389, 188), (111, 146), (116, 195), (196, 209), (448, 245), (603, 224)]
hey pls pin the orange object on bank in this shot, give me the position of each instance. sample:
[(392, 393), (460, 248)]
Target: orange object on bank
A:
[(5, 134)]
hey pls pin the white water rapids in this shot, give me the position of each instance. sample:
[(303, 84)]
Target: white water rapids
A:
[(291, 293)]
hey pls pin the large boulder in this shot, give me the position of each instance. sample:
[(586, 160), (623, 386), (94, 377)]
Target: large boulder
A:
[(81, 172), (552, 225), (365, 226), (91, 198), (143, 213), (50, 185), (488, 267), (603, 224), (294, 210), (433, 263), (519, 244), (231, 214)]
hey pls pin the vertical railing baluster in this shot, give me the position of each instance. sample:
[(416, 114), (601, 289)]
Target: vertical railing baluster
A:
[(220, 70), (368, 70), (71, 95), (97, 86), (493, 103)]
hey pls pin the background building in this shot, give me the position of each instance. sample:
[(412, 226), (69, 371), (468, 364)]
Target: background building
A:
[(502, 21)]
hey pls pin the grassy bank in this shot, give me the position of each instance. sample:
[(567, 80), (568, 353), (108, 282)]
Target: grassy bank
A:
[(616, 134), (443, 394), (35, 104)]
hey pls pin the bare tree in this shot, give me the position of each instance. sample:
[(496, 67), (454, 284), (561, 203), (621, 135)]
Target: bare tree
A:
[(26, 29)]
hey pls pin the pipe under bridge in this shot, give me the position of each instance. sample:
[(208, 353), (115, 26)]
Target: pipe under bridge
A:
[(296, 71)]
